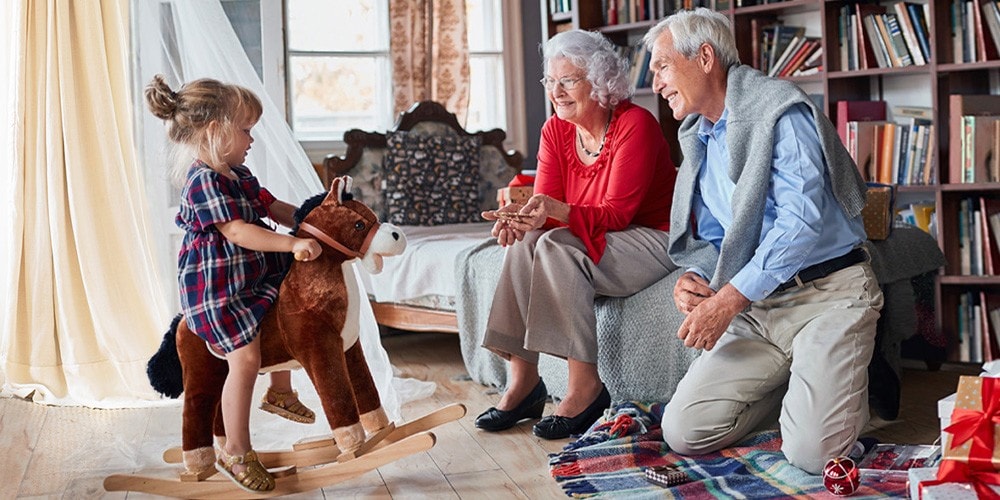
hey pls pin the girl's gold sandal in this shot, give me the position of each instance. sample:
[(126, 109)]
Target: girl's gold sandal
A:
[(293, 410), (254, 478)]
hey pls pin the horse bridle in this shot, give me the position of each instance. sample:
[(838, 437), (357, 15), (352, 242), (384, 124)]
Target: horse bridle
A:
[(338, 246)]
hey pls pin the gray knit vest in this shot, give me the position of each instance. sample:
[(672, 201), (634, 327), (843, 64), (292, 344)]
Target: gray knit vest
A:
[(754, 102)]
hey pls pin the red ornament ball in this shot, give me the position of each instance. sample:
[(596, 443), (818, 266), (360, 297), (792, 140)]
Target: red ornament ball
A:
[(840, 476)]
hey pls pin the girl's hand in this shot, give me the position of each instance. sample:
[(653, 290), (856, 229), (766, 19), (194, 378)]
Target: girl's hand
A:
[(306, 249)]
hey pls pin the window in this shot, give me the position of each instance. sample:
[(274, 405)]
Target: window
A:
[(340, 75), (487, 108)]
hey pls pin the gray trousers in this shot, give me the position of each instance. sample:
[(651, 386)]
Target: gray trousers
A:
[(818, 340), (544, 301)]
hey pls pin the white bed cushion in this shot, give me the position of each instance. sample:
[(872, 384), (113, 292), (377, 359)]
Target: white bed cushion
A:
[(427, 267)]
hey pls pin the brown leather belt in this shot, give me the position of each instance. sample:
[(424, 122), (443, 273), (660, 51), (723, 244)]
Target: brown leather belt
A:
[(824, 269)]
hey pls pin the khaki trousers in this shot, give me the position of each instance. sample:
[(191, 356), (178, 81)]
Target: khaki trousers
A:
[(818, 339), (544, 301)]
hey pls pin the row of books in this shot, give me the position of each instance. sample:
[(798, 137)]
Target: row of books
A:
[(890, 152), (975, 30), (876, 36), (638, 58), (978, 233), (634, 11), (974, 136), (979, 144), (787, 51), (920, 214), (978, 327), (560, 6)]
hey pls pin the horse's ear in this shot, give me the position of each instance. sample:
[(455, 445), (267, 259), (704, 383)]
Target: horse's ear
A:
[(340, 186)]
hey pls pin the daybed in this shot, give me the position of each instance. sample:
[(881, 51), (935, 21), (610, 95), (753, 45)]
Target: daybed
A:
[(415, 292), (446, 279)]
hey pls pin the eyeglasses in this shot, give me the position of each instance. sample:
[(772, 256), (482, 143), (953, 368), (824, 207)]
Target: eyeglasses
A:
[(566, 83)]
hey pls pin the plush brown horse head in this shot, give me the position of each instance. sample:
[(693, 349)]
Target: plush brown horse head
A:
[(313, 324)]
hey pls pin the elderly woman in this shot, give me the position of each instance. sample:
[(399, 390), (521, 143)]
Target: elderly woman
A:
[(596, 226)]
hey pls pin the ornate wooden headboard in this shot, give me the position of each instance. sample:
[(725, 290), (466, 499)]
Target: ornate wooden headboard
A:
[(424, 111)]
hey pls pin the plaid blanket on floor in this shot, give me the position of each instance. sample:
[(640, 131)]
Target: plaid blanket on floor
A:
[(610, 458)]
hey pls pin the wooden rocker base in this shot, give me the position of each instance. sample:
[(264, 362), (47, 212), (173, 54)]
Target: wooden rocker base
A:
[(323, 450), (297, 481)]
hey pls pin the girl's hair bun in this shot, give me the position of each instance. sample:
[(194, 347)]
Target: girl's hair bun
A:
[(161, 100)]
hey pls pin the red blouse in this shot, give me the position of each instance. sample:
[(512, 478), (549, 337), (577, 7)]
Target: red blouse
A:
[(631, 183)]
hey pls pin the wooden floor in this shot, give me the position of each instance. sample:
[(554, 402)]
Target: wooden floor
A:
[(54, 452)]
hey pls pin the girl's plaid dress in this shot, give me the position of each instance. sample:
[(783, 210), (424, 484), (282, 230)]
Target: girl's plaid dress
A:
[(225, 289)]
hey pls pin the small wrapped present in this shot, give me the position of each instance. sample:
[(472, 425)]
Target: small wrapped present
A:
[(518, 190), (971, 451), (513, 194)]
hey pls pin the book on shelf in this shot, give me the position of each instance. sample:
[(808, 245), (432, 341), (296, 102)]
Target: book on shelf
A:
[(857, 111), (909, 33), (866, 51), (899, 46), (918, 214), (783, 36), (991, 337), (979, 151), (798, 60), (876, 42), (960, 105), (918, 16), (891, 462)]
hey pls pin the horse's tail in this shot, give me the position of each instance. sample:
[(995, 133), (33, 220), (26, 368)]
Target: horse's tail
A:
[(164, 368)]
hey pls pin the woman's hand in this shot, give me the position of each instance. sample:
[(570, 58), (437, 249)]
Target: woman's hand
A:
[(503, 231), (306, 249)]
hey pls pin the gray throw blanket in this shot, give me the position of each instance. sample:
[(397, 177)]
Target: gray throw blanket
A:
[(639, 354)]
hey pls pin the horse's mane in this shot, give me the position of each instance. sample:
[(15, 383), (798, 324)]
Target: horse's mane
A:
[(308, 206)]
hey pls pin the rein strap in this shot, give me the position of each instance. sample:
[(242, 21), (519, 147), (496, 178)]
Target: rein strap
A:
[(336, 245)]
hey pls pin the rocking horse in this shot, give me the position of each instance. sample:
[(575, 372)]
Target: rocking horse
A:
[(313, 324)]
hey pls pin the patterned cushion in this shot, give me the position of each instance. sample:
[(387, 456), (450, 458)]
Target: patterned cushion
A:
[(431, 180)]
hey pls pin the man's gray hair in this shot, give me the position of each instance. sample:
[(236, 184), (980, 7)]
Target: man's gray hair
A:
[(691, 28), (606, 70)]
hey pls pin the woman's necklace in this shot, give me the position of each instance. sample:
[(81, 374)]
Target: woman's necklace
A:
[(600, 148)]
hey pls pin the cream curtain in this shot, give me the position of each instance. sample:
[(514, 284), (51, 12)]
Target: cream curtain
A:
[(430, 54), (81, 310)]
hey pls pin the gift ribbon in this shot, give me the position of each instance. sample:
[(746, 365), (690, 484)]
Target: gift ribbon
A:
[(977, 425), (954, 471), (522, 180)]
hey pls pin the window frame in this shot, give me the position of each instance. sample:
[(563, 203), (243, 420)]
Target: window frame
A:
[(513, 87)]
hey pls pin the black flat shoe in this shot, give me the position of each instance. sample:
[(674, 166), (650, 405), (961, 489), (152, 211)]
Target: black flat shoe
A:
[(530, 407), (560, 427)]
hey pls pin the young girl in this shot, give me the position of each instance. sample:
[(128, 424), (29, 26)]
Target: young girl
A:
[(230, 264)]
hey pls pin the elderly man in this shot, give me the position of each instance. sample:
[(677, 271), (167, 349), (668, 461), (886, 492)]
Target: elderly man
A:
[(766, 219)]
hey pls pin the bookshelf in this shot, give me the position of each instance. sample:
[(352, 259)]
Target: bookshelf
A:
[(943, 64)]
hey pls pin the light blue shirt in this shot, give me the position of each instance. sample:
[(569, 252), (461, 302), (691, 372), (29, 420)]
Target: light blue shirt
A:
[(803, 223)]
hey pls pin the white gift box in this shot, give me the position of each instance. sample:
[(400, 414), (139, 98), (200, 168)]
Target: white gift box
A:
[(945, 407)]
